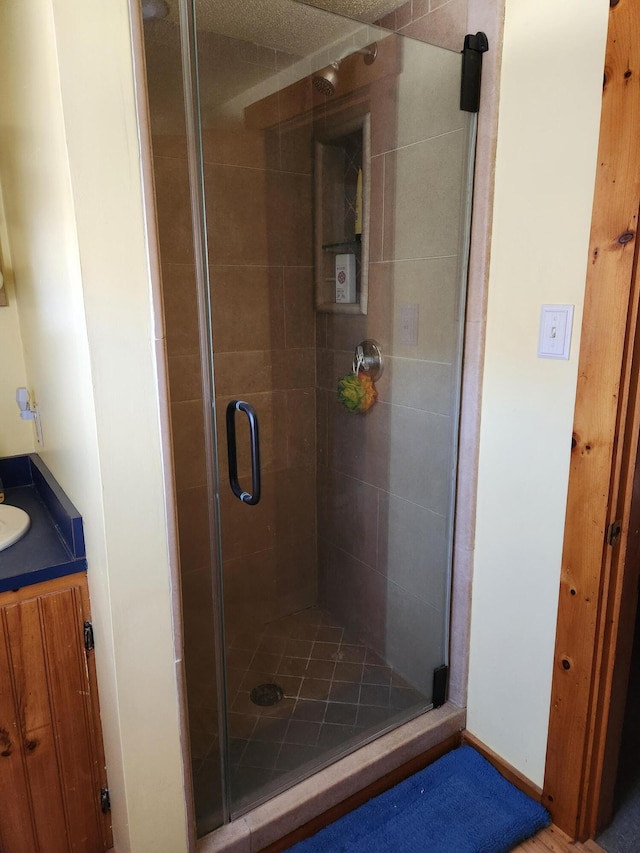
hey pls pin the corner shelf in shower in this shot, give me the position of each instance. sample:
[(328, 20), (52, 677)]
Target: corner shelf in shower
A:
[(339, 153)]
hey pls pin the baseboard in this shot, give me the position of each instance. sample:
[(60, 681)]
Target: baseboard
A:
[(504, 768), (398, 775)]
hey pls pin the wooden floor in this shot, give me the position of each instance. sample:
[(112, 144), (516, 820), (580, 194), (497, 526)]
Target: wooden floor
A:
[(553, 840)]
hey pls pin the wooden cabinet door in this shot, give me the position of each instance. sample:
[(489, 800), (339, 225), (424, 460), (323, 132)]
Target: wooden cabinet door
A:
[(51, 757)]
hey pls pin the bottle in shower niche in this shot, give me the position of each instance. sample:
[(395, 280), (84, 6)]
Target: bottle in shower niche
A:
[(359, 207), (345, 278)]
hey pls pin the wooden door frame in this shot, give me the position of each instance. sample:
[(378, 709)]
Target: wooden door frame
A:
[(599, 578)]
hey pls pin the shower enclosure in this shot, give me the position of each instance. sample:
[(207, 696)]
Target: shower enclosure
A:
[(312, 179)]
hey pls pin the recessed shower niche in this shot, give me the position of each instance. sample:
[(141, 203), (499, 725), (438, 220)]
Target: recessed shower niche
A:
[(342, 184)]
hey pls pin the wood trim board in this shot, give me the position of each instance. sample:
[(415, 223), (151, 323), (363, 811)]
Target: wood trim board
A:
[(503, 767), (604, 450)]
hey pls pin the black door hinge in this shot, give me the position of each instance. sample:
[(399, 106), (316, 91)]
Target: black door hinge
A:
[(88, 636), (474, 47), (440, 674), (105, 800), (614, 532)]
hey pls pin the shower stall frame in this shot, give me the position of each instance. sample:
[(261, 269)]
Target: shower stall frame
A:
[(439, 729)]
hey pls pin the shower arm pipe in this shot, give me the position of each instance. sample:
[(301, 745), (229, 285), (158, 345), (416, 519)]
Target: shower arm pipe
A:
[(370, 53), (326, 79)]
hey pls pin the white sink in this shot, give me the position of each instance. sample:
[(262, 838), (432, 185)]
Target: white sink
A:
[(14, 523)]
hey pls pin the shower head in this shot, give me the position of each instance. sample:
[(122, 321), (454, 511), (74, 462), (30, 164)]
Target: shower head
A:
[(326, 80)]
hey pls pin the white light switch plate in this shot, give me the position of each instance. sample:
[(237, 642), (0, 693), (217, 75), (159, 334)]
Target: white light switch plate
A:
[(556, 322)]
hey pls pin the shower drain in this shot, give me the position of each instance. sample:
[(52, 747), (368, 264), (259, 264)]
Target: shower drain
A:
[(267, 694)]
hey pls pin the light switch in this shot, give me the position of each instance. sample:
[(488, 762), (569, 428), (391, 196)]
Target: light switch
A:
[(555, 331)]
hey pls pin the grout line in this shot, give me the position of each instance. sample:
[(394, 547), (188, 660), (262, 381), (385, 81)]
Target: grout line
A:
[(267, 169), (384, 194), (420, 141), (411, 260), (350, 729)]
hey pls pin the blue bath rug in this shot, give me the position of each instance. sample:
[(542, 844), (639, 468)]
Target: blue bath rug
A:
[(459, 804)]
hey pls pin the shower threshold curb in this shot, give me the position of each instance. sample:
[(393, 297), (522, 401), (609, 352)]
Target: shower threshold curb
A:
[(286, 812)]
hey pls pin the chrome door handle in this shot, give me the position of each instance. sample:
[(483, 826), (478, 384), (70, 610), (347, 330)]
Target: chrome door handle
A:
[(246, 497)]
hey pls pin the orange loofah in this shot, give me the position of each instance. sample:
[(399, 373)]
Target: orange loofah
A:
[(356, 392)]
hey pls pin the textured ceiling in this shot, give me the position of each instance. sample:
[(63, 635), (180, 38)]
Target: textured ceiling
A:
[(282, 24), (364, 10), (228, 67)]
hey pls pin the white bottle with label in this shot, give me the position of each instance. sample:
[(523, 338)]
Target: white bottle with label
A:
[(345, 278)]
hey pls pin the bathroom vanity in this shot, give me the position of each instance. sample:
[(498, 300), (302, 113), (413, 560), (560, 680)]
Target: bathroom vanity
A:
[(53, 787)]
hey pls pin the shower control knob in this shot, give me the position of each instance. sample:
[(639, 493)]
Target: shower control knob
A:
[(367, 357)]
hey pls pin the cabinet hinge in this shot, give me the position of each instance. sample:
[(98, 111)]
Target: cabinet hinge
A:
[(88, 636), (105, 800), (614, 532), (440, 674)]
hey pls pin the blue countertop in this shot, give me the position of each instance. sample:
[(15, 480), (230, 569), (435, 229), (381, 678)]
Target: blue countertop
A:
[(54, 544)]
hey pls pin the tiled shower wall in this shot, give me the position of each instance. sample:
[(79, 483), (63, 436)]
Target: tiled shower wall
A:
[(380, 508), (441, 22), (258, 200), (385, 477), (259, 204)]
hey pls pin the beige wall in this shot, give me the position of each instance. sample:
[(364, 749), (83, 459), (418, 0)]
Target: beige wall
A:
[(41, 230), (71, 175), (550, 97), (16, 435)]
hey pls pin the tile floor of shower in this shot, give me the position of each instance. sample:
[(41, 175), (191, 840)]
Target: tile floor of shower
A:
[(337, 693)]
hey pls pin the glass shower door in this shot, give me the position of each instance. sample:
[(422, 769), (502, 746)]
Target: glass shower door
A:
[(335, 186), (330, 182)]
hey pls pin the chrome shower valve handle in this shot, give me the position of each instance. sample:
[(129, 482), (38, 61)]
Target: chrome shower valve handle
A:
[(367, 357)]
